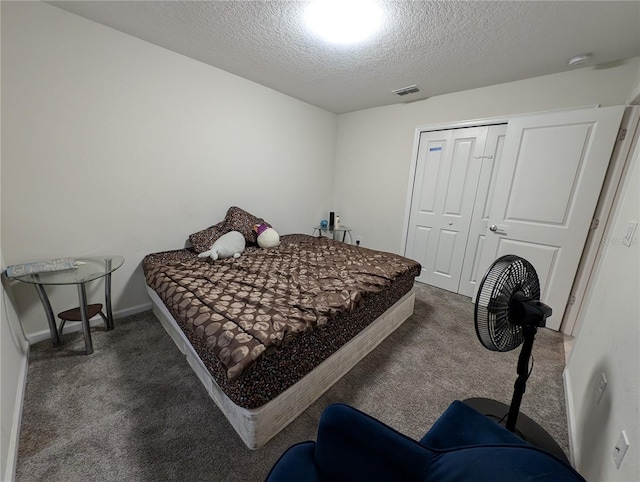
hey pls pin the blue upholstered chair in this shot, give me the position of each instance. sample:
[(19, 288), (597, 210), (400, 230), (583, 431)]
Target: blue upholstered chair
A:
[(462, 445)]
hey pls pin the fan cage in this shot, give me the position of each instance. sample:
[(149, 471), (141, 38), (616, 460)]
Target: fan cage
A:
[(507, 276)]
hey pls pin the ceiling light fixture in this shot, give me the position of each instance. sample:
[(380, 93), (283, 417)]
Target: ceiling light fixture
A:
[(579, 60), (343, 21)]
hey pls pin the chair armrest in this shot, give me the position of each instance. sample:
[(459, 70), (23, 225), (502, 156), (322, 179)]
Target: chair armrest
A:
[(351, 445), (295, 464)]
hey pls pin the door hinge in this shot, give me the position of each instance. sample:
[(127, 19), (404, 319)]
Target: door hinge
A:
[(572, 300), (622, 133), (595, 223)]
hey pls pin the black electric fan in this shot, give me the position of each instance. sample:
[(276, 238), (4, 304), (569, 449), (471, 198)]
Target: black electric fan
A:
[(508, 313)]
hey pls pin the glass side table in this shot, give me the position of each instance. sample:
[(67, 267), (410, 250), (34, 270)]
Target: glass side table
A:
[(89, 269), (333, 232)]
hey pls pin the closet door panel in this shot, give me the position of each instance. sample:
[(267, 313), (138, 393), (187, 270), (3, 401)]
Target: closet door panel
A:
[(447, 171), (490, 164)]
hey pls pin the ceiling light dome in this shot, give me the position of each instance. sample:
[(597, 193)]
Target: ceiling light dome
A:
[(343, 21)]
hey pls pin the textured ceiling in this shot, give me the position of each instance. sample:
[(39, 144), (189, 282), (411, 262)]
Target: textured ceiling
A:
[(442, 46)]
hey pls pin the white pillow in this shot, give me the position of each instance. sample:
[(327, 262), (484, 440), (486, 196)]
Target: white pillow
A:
[(226, 246)]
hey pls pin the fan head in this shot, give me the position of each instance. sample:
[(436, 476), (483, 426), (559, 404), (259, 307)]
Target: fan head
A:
[(510, 282)]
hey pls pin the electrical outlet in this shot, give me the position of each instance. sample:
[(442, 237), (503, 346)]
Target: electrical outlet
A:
[(620, 449), (358, 240), (601, 386)]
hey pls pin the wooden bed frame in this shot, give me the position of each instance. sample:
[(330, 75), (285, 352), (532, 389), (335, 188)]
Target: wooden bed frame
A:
[(257, 426)]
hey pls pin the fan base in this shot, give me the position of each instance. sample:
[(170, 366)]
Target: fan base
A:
[(526, 429)]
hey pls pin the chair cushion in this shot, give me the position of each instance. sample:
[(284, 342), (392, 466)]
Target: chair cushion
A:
[(460, 425), (353, 446)]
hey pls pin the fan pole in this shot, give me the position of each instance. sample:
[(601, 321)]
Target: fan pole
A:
[(529, 334)]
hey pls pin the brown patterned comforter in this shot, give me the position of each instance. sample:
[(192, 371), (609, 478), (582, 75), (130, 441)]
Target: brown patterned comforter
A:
[(245, 308)]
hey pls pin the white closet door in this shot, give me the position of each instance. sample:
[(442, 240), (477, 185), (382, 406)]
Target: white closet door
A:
[(551, 172), (447, 171), (490, 165)]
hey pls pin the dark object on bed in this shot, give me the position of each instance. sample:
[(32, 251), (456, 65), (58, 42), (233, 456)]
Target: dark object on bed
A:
[(463, 445)]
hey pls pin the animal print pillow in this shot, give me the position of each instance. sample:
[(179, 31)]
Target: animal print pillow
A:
[(203, 240), (240, 220)]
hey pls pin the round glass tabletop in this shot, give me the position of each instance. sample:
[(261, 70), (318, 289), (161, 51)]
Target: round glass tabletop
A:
[(88, 269), (327, 228)]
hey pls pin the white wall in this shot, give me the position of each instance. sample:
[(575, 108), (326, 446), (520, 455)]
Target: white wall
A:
[(112, 145), (374, 146), (14, 352), (609, 342)]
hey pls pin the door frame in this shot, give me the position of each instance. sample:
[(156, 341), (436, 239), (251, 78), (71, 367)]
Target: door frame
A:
[(592, 252), (570, 321)]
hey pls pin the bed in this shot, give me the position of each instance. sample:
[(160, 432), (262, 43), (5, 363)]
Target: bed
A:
[(268, 333)]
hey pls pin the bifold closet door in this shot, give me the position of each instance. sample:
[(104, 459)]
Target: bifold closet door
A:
[(477, 230), (448, 169)]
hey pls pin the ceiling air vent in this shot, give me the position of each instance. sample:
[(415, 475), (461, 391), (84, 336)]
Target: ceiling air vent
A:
[(412, 89)]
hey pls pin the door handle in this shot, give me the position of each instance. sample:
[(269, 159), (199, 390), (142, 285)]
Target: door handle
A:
[(498, 228)]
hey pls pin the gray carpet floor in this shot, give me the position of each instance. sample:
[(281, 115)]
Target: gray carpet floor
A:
[(134, 410)]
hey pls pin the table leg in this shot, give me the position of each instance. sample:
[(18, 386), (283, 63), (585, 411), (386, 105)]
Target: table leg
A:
[(86, 329), (107, 301), (44, 299)]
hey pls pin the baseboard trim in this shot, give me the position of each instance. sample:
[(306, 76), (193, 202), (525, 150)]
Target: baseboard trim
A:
[(14, 437), (568, 401), (71, 327), (134, 310)]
